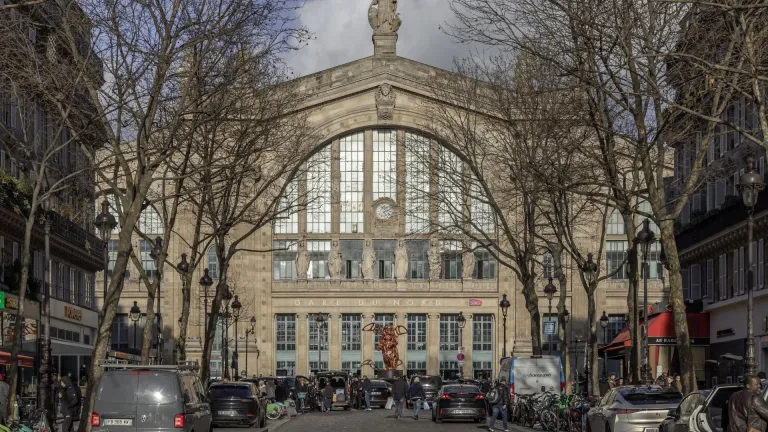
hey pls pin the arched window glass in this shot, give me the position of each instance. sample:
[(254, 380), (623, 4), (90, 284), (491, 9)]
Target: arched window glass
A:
[(287, 220), (351, 152), (150, 221), (384, 164), (615, 223), (319, 192), (449, 197), (213, 262), (417, 174)]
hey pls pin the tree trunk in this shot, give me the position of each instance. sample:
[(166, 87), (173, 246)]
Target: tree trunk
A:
[(18, 327), (592, 353), (632, 317), (213, 319), (186, 283), (562, 280), (146, 343), (532, 305), (687, 372)]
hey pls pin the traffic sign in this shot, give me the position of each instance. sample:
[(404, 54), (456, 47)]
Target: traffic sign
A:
[(549, 328), (460, 357)]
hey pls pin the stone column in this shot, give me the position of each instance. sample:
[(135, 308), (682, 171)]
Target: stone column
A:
[(402, 341), (334, 342), (433, 344), (367, 339), (302, 345), (466, 342)]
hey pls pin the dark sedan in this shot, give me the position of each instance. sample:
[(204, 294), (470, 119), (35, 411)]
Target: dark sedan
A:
[(459, 402), (237, 403), (380, 392)]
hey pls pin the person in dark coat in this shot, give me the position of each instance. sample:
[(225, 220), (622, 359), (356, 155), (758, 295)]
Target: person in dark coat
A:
[(399, 393), (280, 391), (501, 407), (367, 391), (328, 397), (746, 409), (70, 403), (416, 395)]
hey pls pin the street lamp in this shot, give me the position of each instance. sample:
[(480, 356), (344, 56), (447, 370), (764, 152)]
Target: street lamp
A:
[(105, 222), (183, 268), (590, 272), (227, 297), (319, 321), (206, 283), (550, 291), (236, 307), (604, 325), (504, 305), (645, 238), (462, 322), (251, 331), (43, 387), (750, 185), (135, 316), (156, 254)]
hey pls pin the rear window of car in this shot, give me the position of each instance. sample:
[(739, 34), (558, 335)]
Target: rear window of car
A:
[(379, 384), (650, 398), (431, 381), (230, 391), (118, 388), (290, 382), (338, 382), (158, 388), (460, 389)]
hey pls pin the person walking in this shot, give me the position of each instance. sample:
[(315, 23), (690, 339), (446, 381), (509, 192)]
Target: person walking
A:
[(746, 409), (356, 391), (367, 392), (302, 390), (271, 390), (328, 397), (5, 391), (499, 405), (416, 395), (280, 391), (70, 403), (662, 379), (399, 393), (485, 384)]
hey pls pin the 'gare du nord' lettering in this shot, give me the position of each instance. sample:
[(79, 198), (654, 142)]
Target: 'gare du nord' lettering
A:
[(363, 302)]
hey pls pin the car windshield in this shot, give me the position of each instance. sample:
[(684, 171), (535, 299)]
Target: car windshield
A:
[(379, 384), (430, 381), (460, 389), (651, 398), (230, 391)]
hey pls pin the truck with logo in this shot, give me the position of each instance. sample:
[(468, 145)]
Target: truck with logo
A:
[(528, 374)]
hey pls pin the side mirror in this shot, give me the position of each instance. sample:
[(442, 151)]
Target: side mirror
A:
[(672, 413)]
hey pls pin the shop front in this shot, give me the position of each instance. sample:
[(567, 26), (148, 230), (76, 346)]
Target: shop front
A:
[(72, 337), (28, 352)]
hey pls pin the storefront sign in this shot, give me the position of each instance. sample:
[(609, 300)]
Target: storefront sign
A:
[(673, 341), (549, 328), (371, 302), (73, 313), (725, 332), (475, 302)]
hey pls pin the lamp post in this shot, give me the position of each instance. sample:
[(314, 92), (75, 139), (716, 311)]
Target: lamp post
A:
[(156, 254), (462, 322), (578, 379), (135, 316), (183, 268), (550, 291), (248, 332), (236, 307), (105, 222), (590, 271), (206, 283), (604, 325), (645, 238), (319, 321), (750, 185), (43, 387), (225, 334), (504, 305)]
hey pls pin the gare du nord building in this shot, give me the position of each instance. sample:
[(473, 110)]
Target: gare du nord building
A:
[(375, 154)]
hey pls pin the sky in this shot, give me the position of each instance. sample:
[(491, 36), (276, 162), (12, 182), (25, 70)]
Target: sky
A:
[(342, 34)]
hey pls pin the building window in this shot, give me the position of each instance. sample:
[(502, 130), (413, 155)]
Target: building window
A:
[(485, 265), (417, 367), (318, 336), (150, 221), (482, 333), (644, 207), (112, 251), (482, 217), (213, 263), (655, 269), (318, 258), (351, 332), (548, 265), (417, 332), (418, 264), (65, 335), (450, 204), (351, 257), (451, 256), (616, 323), (284, 259), (616, 254), (546, 339), (147, 262), (285, 332), (384, 164), (319, 192), (66, 283), (385, 320), (351, 152), (385, 258), (287, 218), (449, 332), (417, 183), (121, 327), (615, 223), (313, 365)]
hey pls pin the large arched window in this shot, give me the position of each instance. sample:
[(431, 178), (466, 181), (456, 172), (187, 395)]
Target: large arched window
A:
[(213, 263), (150, 222)]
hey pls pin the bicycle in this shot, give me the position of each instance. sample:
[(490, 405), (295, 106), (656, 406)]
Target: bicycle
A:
[(38, 422)]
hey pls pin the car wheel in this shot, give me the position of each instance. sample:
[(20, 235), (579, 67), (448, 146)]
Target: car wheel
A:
[(438, 420), (433, 417), (607, 427)]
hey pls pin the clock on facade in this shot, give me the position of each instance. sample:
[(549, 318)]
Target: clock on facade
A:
[(385, 211)]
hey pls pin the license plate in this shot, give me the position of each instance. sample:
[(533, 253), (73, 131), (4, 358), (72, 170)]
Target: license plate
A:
[(651, 430), (375, 393), (227, 413), (470, 412), (118, 422)]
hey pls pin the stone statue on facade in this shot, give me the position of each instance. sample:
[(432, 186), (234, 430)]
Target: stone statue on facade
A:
[(435, 260), (468, 263), (369, 260), (383, 16), (302, 260), (401, 261), (334, 260), (385, 102)]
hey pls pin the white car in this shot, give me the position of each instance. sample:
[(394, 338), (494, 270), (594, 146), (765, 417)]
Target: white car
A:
[(708, 416)]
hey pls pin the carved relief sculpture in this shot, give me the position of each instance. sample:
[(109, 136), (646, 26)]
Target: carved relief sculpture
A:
[(334, 260), (468, 263), (369, 260), (385, 102), (387, 344), (383, 16), (435, 261), (302, 260), (401, 260)]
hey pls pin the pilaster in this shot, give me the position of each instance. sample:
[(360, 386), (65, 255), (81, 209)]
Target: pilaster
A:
[(466, 342), (302, 345), (367, 339), (433, 344), (334, 342)]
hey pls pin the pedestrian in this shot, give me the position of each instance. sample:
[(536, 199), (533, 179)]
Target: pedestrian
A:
[(367, 392), (302, 390), (612, 381), (621, 382), (662, 379), (280, 392), (499, 405), (485, 384), (5, 390), (328, 397), (262, 389), (355, 386), (416, 395), (271, 390), (399, 393), (746, 409), (70, 403), (670, 382)]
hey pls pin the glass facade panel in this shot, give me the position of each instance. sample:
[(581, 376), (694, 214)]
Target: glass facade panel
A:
[(418, 263), (417, 332), (417, 184), (385, 258), (150, 221), (284, 259), (213, 263), (485, 265), (145, 249), (351, 332), (351, 157), (285, 332), (450, 205), (482, 218), (384, 164), (318, 259), (452, 262), (482, 333), (319, 192), (351, 256), (616, 254), (615, 223), (287, 220)]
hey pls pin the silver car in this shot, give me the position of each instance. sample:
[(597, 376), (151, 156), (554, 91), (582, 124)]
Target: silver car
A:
[(632, 409)]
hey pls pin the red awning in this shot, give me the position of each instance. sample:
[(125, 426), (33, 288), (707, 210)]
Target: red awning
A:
[(661, 331), (24, 361)]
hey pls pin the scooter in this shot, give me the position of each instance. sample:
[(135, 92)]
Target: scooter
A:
[(275, 410)]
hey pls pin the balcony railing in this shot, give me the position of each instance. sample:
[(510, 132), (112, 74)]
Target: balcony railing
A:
[(75, 234)]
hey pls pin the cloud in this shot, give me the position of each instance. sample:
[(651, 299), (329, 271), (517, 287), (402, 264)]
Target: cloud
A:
[(343, 34)]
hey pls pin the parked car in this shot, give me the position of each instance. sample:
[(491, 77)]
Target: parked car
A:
[(431, 384), (633, 409), (237, 403), (150, 397), (707, 417), (380, 391), (678, 418), (339, 380), (459, 402)]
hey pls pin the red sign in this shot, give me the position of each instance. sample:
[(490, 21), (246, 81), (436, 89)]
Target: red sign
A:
[(460, 357), (475, 302)]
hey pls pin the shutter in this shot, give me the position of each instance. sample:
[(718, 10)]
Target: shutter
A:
[(710, 282), (724, 276), (742, 284), (695, 272), (735, 283), (686, 284)]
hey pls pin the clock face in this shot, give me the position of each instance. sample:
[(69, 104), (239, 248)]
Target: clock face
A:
[(384, 211)]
